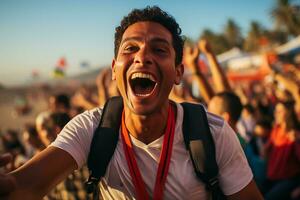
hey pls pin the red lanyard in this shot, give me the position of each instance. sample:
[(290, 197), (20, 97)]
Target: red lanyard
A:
[(164, 160)]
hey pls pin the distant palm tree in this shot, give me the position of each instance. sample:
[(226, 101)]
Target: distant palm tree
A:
[(232, 34), (254, 35), (287, 17), (217, 41), (189, 41), (276, 36), (207, 34)]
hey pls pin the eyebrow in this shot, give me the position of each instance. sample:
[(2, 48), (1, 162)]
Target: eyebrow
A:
[(156, 40)]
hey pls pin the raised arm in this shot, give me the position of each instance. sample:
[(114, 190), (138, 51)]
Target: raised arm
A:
[(220, 80), (40, 174), (191, 60), (80, 100), (242, 95), (102, 90)]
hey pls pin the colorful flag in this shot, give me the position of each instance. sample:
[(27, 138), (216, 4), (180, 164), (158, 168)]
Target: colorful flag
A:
[(58, 73), (61, 63), (84, 64)]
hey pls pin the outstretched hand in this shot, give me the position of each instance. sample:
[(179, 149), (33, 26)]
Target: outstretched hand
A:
[(7, 182), (191, 55), (102, 77), (204, 46)]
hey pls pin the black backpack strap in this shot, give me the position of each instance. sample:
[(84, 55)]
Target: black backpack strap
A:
[(104, 142), (201, 146)]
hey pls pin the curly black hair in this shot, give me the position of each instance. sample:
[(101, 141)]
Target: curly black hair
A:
[(153, 14)]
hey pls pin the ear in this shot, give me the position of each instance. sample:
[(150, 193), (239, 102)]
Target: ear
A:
[(226, 116), (113, 70), (179, 73)]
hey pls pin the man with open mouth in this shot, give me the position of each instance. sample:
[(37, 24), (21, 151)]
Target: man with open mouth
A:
[(150, 160)]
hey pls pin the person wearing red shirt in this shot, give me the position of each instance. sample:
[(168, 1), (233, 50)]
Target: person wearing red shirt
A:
[(283, 153)]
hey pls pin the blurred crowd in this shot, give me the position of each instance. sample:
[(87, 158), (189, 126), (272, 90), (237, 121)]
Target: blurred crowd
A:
[(264, 113), (38, 134)]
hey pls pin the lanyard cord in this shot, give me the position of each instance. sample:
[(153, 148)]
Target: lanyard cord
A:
[(164, 160)]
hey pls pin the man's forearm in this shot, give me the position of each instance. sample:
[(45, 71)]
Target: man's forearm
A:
[(220, 80), (204, 88), (34, 183)]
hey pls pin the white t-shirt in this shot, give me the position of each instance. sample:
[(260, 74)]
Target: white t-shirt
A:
[(181, 182)]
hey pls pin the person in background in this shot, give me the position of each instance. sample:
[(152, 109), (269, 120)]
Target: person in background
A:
[(13, 145), (247, 122), (228, 105), (255, 151), (56, 103), (59, 103), (73, 186), (283, 153), (32, 141)]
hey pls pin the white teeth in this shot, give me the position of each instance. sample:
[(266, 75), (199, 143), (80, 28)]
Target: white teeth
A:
[(142, 95), (142, 75)]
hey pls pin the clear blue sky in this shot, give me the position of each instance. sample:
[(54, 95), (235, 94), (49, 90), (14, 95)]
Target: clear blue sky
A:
[(34, 34)]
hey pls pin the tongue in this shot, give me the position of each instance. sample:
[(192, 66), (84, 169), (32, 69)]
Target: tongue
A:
[(139, 90)]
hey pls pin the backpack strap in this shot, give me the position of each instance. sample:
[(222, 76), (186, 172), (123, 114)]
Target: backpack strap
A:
[(201, 146), (104, 142)]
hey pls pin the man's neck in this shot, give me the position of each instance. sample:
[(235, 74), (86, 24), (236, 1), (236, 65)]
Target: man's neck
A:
[(232, 124), (147, 128)]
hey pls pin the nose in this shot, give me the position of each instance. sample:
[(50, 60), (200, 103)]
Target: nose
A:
[(143, 56)]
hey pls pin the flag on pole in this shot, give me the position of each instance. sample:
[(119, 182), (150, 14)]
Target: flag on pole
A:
[(61, 63)]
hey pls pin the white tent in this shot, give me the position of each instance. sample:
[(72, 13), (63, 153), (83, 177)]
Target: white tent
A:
[(237, 60), (291, 47), (230, 54), (245, 63)]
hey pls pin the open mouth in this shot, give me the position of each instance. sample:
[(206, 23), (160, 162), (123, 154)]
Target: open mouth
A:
[(142, 84)]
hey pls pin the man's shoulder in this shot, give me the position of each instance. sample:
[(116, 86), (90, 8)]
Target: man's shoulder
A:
[(214, 120), (95, 112), (90, 115)]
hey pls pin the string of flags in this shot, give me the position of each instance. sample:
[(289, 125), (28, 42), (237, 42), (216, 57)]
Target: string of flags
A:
[(59, 71)]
